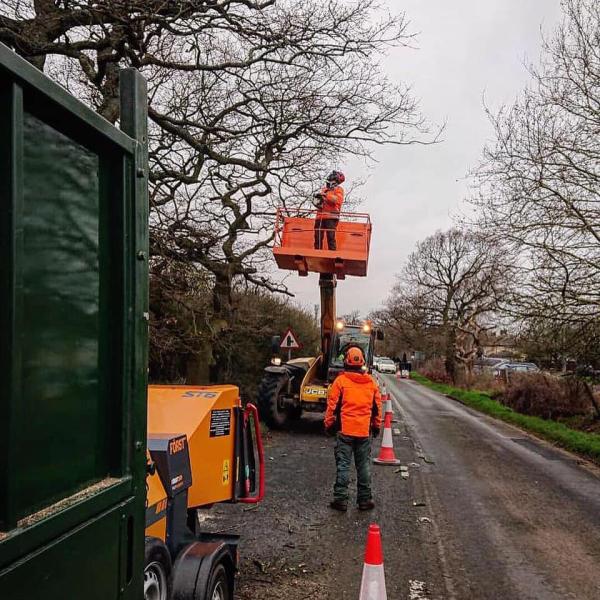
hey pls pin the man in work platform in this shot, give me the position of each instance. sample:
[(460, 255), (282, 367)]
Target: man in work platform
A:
[(354, 414), (329, 202)]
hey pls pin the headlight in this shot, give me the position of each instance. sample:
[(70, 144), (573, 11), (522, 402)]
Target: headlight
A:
[(339, 325), (276, 361)]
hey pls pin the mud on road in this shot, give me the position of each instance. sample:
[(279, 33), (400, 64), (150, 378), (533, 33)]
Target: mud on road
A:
[(294, 547)]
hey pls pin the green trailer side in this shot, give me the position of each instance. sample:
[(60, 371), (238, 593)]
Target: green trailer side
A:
[(73, 340)]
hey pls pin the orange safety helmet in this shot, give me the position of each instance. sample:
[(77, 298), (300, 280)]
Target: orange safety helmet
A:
[(354, 357), (336, 177)]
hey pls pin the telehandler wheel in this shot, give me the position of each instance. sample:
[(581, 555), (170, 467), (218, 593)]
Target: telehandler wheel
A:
[(157, 570), (270, 395)]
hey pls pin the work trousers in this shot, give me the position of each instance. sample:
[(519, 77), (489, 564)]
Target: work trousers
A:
[(361, 448), (323, 226)]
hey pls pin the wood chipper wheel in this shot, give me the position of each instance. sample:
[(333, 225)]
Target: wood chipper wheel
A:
[(270, 394), (157, 570), (218, 587)]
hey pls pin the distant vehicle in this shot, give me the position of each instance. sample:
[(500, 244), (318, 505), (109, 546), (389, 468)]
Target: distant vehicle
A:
[(516, 368), (386, 365), (490, 364), (379, 359)]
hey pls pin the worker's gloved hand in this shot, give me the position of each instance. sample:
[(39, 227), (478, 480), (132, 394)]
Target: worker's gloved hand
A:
[(375, 431), (330, 431)]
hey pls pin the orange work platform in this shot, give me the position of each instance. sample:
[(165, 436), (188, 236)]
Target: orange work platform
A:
[(294, 247)]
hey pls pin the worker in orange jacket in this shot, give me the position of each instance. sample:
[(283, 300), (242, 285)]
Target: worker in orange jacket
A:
[(354, 414), (329, 204)]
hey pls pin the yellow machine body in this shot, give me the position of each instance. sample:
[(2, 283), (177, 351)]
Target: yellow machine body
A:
[(156, 506), (206, 416), (313, 393)]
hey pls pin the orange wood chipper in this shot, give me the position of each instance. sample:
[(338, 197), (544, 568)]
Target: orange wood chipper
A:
[(203, 448)]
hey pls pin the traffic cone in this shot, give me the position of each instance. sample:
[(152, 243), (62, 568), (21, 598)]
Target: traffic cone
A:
[(386, 452), (388, 405), (372, 586), (385, 396), (389, 408)]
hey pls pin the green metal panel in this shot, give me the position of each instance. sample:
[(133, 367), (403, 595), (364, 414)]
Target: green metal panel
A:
[(73, 276), (61, 397), (134, 121), (11, 240), (74, 567)]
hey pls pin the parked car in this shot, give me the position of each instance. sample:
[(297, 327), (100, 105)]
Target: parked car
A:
[(387, 365), (515, 368), (487, 364), (377, 360)]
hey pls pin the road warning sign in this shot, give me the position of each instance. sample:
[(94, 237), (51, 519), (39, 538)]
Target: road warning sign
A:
[(289, 341)]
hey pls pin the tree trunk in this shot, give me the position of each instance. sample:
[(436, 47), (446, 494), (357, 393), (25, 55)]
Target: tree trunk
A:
[(222, 321), (469, 366), (450, 353), (197, 367), (590, 394)]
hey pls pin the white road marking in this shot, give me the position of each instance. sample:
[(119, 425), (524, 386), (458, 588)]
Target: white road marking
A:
[(442, 553), (417, 590)]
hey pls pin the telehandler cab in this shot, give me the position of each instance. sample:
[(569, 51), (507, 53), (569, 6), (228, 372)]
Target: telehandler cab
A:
[(301, 384)]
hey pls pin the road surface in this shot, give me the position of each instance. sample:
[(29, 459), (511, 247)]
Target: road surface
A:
[(487, 512)]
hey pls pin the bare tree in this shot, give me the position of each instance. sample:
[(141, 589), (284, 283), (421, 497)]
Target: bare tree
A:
[(538, 187), (250, 101), (407, 326), (451, 286)]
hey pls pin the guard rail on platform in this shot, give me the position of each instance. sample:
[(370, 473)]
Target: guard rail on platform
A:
[(294, 248)]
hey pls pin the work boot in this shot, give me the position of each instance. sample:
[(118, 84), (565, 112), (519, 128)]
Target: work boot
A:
[(366, 505), (339, 505)]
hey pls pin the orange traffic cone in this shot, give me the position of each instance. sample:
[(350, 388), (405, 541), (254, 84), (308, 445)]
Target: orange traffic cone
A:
[(387, 407), (372, 586), (385, 396), (386, 453)]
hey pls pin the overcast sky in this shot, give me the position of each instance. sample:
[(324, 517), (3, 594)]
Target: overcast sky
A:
[(466, 49)]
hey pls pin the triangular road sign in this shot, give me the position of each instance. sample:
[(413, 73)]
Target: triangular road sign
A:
[(289, 341)]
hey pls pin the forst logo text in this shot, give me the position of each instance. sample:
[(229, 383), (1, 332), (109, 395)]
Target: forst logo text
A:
[(177, 445)]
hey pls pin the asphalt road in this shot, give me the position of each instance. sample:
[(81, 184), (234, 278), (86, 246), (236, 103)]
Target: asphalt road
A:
[(514, 517), (487, 512)]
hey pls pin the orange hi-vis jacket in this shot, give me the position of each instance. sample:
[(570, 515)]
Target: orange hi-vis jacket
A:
[(353, 404), (333, 198)]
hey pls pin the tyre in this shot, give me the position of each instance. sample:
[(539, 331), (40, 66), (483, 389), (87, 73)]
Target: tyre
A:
[(219, 587), (270, 394), (202, 572), (157, 570)]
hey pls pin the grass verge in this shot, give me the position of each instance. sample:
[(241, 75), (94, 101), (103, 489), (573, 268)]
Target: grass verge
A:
[(580, 442)]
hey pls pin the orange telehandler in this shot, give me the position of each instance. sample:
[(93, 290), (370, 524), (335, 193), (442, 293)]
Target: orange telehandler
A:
[(288, 389)]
